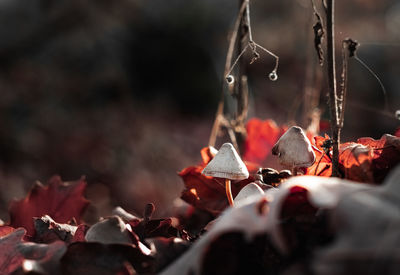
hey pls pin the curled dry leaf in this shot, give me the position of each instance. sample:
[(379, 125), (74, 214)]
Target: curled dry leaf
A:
[(366, 160), (48, 231), (111, 230), (63, 201), (18, 255), (147, 227)]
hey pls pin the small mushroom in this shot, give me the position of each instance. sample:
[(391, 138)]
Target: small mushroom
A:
[(251, 189), (228, 165), (294, 150)]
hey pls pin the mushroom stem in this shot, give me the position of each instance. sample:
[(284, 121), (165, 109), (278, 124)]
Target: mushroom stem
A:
[(229, 191)]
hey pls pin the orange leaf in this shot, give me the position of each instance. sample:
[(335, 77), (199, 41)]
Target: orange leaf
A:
[(261, 137), (367, 160), (62, 201), (385, 155), (323, 164)]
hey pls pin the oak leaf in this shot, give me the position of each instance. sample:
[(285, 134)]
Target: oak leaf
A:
[(63, 201)]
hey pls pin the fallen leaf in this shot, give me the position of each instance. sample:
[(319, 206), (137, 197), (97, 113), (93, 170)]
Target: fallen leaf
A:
[(105, 259), (63, 201), (80, 233), (261, 137), (48, 231), (111, 230), (385, 154), (366, 160), (5, 230), (16, 254), (166, 250)]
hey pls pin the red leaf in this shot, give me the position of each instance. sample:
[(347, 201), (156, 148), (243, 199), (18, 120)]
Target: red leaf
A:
[(14, 251), (80, 233), (62, 201), (5, 230), (397, 132), (261, 137)]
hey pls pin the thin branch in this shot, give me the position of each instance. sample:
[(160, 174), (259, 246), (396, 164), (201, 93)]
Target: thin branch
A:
[(343, 83), (232, 41), (237, 125), (220, 110), (386, 108), (270, 53), (333, 106), (236, 61)]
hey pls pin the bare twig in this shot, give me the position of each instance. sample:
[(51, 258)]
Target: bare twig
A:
[(333, 100), (239, 88), (318, 34), (343, 83)]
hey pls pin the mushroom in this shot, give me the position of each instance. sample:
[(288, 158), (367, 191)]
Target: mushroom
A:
[(294, 150), (251, 189), (228, 165)]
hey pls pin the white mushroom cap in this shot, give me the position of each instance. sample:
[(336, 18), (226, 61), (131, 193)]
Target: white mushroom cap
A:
[(294, 149), (248, 191), (226, 164)]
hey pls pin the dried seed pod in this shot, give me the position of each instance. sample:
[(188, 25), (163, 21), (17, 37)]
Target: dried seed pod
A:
[(230, 79), (273, 76)]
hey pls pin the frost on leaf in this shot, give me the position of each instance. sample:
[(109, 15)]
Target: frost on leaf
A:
[(63, 201)]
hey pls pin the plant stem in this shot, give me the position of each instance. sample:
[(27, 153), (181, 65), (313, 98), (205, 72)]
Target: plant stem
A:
[(229, 191), (333, 102), (241, 96)]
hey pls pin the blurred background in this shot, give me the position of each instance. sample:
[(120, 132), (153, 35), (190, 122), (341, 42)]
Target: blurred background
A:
[(125, 92)]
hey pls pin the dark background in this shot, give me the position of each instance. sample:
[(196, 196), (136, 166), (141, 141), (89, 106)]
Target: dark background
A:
[(125, 92)]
